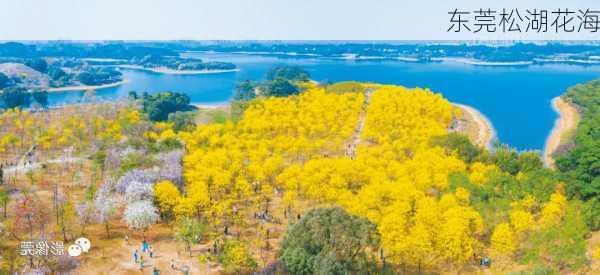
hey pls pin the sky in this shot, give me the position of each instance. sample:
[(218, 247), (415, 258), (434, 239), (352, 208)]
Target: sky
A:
[(258, 19)]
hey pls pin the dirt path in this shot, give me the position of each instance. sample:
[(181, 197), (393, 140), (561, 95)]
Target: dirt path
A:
[(115, 256), (484, 131), (565, 124), (25, 167), (355, 139)]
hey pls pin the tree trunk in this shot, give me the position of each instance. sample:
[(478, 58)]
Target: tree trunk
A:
[(30, 238), (107, 229), (64, 231)]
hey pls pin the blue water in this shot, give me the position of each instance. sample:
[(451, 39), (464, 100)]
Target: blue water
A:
[(515, 99)]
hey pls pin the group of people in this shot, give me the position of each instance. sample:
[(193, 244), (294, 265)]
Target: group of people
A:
[(146, 248), (139, 259)]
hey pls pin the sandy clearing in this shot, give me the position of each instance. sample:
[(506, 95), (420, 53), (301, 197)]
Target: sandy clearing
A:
[(566, 122), (485, 130)]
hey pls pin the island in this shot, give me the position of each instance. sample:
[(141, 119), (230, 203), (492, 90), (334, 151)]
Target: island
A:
[(177, 65)]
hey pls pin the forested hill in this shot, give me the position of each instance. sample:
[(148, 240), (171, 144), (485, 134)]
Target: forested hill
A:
[(581, 164)]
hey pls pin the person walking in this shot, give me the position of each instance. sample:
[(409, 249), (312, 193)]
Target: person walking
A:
[(155, 271), (135, 256), (141, 262), (144, 246), (150, 251)]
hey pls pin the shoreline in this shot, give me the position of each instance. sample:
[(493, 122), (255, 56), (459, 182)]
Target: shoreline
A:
[(565, 123), (222, 106), (84, 87), (164, 70), (485, 130)]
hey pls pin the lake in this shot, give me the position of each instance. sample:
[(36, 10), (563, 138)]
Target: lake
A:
[(516, 99)]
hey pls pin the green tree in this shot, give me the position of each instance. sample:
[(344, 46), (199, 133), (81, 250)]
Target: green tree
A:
[(15, 97), (4, 81), (529, 161), (506, 158), (132, 95), (329, 241), (279, 87), (38, 64), (580, 166), (99, 75), (90, 192), (56, 73), (190, 231), (4, 199), (159, 106), (41, 97), (562, 246), (238, 107), (294, 73), (459, 143), (245, 90), (591, 213), (182, 121)]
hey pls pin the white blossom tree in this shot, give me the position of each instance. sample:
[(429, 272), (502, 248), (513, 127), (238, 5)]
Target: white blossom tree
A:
[(105, 206), (140, 214), (138, 191)]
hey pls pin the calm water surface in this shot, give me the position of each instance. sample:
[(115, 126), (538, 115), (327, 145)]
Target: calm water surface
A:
[(515, 99)]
